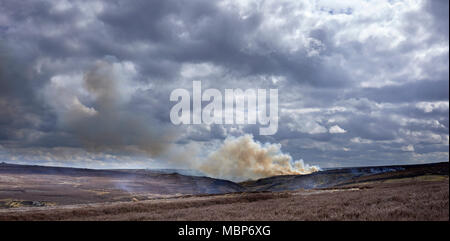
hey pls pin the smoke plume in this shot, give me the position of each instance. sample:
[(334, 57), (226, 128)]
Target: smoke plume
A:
[(242, 158), (104, 122), (107, 122)]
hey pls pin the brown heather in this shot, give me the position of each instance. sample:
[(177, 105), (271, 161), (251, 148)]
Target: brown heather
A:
[(401, 199)]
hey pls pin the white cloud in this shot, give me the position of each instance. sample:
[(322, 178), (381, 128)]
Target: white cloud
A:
[(336, 129), (428, 107), (408, 148)]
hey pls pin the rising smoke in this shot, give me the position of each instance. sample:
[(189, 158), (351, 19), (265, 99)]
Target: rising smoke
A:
[(107, 125), (242, 158)]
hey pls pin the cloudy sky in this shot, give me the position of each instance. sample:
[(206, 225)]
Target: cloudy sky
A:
[(87, 83)]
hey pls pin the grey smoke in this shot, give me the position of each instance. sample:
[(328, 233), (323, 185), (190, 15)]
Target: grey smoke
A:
[(107, 124)]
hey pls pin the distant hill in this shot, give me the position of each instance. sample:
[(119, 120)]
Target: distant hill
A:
[(344, 176)]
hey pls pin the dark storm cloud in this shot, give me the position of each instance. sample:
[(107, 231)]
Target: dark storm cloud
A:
[(362, 86)]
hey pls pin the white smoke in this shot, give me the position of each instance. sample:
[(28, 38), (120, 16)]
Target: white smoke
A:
[(242, 158)]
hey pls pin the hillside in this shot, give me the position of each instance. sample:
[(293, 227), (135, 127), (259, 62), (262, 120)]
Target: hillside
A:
[(26, 185), (344, 176), (31, 186)]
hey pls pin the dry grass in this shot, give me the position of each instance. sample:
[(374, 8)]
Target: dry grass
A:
[(407, 200)]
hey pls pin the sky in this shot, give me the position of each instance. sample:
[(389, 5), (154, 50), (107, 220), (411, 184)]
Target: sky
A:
[(87, 83)]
